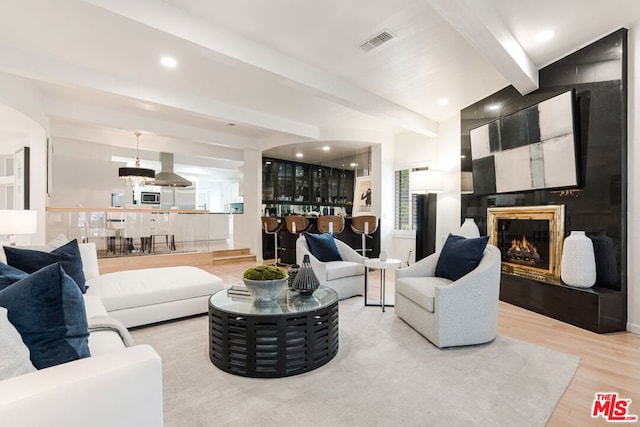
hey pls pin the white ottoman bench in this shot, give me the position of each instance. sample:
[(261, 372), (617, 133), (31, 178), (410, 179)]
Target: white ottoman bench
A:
[(140, 297)]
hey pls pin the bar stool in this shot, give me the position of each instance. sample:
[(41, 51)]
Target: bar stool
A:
[(333, 224), (271, 225), (365, 225), (296, 224)]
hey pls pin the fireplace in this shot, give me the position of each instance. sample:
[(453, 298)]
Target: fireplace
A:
[(529, 238)]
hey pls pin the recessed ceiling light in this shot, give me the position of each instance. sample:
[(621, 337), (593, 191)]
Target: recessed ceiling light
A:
[(544, 36), (299, 155), (168, 62), (494, 107), (326, 148), (442, 102), (353, 165)]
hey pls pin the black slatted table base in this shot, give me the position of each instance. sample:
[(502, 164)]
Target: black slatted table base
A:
[(271, 346)]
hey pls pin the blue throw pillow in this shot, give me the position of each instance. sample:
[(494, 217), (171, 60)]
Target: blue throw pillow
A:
[(460, 256), (29, 260), (10, 275), (47, 308), (323, 247)]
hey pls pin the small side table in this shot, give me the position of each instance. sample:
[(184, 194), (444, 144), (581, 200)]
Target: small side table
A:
[(382, 266)]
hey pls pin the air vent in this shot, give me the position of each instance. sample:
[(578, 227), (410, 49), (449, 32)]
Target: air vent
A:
[(376, 41)]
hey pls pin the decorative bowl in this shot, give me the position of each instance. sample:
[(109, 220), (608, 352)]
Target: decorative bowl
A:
[(265, 291)]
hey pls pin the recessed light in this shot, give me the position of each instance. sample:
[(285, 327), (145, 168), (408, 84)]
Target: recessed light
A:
[(494, 107), (299, 155), (463, 156), (267, 162), (353, 165), (442, 102), (326, 148), (168, 62), (544, 35)]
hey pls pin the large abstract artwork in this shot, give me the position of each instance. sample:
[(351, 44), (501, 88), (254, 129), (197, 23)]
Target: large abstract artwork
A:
[(532, 149)]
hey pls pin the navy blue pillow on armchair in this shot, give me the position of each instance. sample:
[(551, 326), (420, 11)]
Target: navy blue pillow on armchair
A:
[(323, 247), (29, 260), (460, 256), (47, 309)]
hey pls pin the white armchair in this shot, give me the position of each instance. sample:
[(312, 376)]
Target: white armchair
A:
[(346, 277), (451, 313)]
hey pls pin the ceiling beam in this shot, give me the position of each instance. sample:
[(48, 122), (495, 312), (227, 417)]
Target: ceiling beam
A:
[(177, 22), (482, 27), (152, 143), (116, 119), (22, 62)]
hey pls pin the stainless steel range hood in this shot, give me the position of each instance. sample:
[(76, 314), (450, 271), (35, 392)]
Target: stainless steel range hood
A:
[(166, 177)]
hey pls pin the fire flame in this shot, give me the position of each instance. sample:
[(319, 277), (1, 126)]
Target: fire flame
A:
[(523, 245)]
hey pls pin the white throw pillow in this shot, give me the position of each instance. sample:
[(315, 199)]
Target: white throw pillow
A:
[(14, 354), (89, 256), (59, 240)]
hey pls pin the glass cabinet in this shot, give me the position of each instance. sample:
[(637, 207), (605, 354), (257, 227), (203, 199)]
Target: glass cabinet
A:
[(268, 180), (284, 182), (302, 179), (293, 187)]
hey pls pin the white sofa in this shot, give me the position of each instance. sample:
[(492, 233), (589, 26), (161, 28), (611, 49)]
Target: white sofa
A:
[(150, 295), (116, 386)]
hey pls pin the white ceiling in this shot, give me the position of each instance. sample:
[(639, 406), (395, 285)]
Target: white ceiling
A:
[(287, 74)]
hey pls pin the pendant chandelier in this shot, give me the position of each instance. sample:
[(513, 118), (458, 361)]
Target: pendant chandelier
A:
[(136, 176)]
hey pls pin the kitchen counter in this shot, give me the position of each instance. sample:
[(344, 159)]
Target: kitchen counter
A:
[(140, 210), (138, 229)]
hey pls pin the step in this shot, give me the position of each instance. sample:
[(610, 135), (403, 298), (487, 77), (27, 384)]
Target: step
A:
[(230, 252), (233, 259)]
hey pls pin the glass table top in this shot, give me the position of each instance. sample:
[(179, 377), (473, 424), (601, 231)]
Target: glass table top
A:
[(289, 302)]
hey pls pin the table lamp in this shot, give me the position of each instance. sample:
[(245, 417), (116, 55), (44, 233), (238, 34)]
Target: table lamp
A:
[(14, 222)]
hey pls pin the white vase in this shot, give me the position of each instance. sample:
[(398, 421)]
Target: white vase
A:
[(578, 266), (469, 229)]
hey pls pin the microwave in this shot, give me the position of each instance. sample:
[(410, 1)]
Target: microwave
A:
[(149, 198)]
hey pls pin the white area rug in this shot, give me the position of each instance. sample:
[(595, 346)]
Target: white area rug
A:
[(385, 374)]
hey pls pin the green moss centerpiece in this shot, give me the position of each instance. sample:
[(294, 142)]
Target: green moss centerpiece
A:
[(264, 282)]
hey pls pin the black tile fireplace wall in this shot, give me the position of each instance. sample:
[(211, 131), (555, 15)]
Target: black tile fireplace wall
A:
[(598, 73)]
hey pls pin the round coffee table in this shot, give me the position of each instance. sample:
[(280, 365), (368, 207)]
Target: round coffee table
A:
[(293, 335)]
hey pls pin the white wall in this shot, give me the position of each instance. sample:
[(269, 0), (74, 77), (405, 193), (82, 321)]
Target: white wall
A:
[(21, 96), (382, 175), (83, 174), (440, 153), (448, 146), (633, 180), (246, 226)]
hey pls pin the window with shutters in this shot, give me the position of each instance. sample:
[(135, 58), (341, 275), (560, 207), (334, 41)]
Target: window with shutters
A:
[(405, 202)]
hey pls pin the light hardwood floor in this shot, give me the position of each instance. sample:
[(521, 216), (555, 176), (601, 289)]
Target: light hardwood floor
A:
[(609, 362)]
